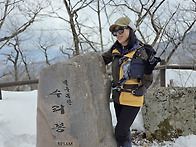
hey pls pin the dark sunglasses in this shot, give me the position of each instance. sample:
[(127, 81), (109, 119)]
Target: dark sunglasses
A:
[(119, 31)]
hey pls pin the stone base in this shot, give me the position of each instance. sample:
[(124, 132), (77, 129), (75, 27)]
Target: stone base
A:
[(169, 113)]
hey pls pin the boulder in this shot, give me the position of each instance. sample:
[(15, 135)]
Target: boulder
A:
[(169, 112), (73, 104)]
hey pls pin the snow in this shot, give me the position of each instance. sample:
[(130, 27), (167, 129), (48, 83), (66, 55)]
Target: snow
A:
[(182, 78), (18, 123), (18, 119)]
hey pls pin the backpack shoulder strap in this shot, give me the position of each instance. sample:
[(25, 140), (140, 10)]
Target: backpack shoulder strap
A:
[(138, 52)]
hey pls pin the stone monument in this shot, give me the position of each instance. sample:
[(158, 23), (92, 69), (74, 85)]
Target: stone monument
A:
[(73, 104)]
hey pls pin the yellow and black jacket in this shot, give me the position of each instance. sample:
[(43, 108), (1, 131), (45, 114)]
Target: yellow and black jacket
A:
[(126, 98)]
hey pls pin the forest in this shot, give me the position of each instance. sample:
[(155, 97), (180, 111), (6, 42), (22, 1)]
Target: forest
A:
[(36, 34)]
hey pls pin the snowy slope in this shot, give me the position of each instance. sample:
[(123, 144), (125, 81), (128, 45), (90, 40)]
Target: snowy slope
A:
[(18, 119), (18, 123)]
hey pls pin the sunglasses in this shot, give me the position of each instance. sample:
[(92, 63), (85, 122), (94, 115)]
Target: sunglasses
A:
[(119, 31)]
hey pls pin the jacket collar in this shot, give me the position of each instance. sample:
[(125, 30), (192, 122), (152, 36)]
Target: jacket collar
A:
[(124, 50)]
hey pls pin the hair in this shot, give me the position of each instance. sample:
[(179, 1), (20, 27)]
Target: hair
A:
[(131, 40)]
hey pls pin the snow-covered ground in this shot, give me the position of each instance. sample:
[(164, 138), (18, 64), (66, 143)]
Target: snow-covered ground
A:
[(18, 123), (18, 118), (181, 78)]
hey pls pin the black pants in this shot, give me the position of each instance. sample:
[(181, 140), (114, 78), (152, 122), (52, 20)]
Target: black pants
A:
[(125, 116)]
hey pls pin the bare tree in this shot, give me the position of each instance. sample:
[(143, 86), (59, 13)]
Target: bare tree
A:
[(27, 12), (157, 21), (13, 57), (61, 48), (44, 44), (162, 21), (72, 11), (100, 6), (18, 59), (24, 60), (72, 8)]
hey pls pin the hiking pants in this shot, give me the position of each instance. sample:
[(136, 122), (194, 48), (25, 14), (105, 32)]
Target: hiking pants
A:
[(125, 116)]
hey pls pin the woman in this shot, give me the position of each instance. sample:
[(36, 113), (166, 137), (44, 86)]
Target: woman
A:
[(128, 90)]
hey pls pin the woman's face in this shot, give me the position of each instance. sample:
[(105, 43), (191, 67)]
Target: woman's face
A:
[(122, 38)]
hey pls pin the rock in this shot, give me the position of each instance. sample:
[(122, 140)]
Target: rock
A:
[(169, 113), (73, 104)]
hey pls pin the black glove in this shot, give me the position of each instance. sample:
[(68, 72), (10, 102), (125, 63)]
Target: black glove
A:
[(150, 63)]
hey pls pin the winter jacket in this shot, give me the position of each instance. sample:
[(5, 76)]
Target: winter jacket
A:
[(126, 98)]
